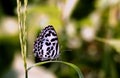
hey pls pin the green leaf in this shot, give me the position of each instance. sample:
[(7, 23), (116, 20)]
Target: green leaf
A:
[(63, 62)]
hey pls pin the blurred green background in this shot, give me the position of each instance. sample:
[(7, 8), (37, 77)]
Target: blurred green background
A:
[(88, 32)]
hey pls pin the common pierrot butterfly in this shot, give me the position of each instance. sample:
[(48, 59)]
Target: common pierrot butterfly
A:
[(46, 45)]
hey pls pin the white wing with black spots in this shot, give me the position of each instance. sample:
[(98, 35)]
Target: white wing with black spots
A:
[(46, 46)]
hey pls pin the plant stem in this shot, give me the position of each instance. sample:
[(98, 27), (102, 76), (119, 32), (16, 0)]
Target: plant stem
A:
[(63, 62), (26, 73), (25, 35), (22, 32)]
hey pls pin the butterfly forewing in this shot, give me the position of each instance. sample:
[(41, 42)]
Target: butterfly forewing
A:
[(46, 46)]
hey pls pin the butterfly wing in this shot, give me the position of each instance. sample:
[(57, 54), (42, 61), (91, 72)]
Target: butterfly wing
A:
[(46, 46)]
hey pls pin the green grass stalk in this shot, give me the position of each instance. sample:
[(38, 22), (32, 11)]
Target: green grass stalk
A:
[(22, 32)]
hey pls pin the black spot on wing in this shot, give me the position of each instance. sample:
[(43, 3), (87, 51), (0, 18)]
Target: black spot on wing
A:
[(51, 47), (48, 43), (53, 44), (48, 52), (53, 53), (42, 52), (47, 35), (53, 33), (48, 48), (56, 49), (45, 55), (34, 50), (54, 39)]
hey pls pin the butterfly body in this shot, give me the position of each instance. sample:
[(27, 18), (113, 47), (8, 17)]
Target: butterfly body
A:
[(46, 46)]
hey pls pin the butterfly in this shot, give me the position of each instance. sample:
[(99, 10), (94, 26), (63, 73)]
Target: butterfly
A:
[(46, 45)]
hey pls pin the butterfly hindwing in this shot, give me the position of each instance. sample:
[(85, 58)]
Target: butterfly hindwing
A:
[(46, 46)]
